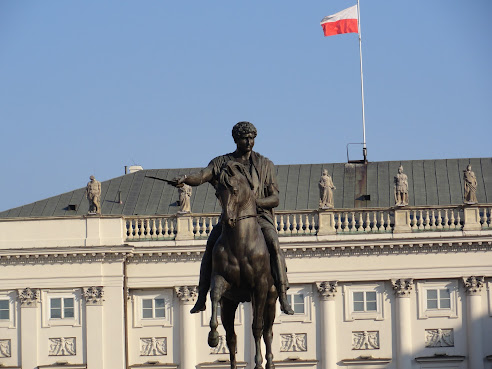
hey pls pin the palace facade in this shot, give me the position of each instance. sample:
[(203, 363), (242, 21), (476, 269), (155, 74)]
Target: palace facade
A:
[(373, 285)]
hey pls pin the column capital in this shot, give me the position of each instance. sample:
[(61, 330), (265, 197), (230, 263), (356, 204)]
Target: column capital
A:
[(402, 287), (327, 290), (187, 294), (29, 297), (473, 285), (93, 295)]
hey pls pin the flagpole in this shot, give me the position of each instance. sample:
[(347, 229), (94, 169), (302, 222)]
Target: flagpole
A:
[(364, 148)]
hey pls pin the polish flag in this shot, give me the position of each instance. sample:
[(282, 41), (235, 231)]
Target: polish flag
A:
[(341, 22)]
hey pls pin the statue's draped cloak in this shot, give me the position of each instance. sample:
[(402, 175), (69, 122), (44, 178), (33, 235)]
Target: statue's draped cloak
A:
[(262, 172)]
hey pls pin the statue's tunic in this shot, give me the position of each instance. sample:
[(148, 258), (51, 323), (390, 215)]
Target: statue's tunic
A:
[(262, 173)]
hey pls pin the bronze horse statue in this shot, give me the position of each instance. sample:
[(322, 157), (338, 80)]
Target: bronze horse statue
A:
[(241, 266)]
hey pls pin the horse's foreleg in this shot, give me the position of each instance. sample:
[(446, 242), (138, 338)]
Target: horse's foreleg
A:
[(269, 314), (259, 299), (217, 289), (228, 314)]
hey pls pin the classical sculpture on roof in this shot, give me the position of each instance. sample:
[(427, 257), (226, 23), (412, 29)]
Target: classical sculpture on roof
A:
[(184, 198), (326, 188), (401, 188), (93, 194), (470, 184)]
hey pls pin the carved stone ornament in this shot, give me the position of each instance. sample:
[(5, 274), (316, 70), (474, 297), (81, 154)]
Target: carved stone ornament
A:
[(439, 338), (221, 348), (185, 192), (365, 340), (402, 287), (93, 194), (29, 297), (153, 346), (62, 346), (186, 293), (93, 295), (293, 342), (470, 186), (5, 348), (327, 290), (473, 285)]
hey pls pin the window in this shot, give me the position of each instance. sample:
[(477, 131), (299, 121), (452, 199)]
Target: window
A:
[(300, 298), (296, 302), (437, 298), (4, 309), (62, 308), (365, 301), (153, 308)]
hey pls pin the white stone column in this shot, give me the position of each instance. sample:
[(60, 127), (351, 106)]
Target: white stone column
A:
[(327, 291), (402, 288), (29, 322), (187, 341), (93, 297), (473, 286)]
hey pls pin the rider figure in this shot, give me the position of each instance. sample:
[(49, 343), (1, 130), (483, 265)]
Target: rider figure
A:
[(265, 188)]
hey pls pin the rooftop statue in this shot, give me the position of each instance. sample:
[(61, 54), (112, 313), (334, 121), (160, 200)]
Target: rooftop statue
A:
[(184, 198), (326, 188), (401, 188), (470, 183), (260, 184), (93, 194)]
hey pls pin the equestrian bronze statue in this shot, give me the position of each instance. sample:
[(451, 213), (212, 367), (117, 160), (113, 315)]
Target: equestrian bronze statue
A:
[(259, 173)]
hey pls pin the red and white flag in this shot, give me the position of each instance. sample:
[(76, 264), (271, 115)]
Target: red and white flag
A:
[(341, 22)]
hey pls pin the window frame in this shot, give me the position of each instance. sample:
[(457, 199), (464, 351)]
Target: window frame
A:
[(306, 317), (62, 307), (350, 314), (423, 286), (49, 294), (11, 297), (137, 298)]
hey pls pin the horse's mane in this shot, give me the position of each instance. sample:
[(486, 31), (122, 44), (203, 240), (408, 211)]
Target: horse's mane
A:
[(228, 170)]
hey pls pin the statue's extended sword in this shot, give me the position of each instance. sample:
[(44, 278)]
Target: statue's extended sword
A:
[(162, 179)]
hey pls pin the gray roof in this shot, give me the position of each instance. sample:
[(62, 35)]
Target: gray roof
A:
[(431, 182)]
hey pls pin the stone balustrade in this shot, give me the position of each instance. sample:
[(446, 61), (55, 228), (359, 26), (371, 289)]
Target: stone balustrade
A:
[(322, 222)]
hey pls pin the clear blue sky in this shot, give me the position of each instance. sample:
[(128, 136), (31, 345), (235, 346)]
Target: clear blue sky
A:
[(87, 87)]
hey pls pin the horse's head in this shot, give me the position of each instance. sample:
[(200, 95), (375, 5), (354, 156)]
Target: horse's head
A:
[(233, 191)]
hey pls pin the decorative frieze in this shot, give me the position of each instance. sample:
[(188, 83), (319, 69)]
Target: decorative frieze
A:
[(5, 348), (93, 295), (221, 348), (327, 290), (153, 346), (365, 340), (62, 346), (402, 287), (473, 285), (186, 294), (29, 297), (439, 338), (293, 342)]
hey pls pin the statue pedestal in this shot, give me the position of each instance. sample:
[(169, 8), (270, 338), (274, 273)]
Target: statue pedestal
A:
[(326, 222), (184, 227), (402, 221), (472, 219)]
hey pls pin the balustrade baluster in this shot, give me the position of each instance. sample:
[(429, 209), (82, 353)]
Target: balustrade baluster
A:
[(166, 227), (446, 219), (483, 219), (345, 222), (452, 221), (388, 221), (294, 224), (458, 220), (361, 223), (413, 218), (153, 229), (381, 221), (338, 224), (281, 231), (159, 227), (439, 220)]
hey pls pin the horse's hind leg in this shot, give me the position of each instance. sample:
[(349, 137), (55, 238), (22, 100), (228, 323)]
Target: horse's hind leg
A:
[(269, 314), (218, 287), (259, 299), (228, 314)]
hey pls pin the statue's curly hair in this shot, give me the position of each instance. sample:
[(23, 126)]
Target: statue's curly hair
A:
[(243, 128)]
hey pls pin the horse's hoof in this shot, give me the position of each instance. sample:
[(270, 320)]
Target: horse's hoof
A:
[(213, 339)]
